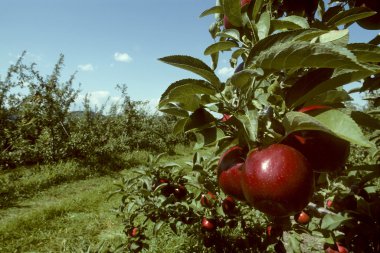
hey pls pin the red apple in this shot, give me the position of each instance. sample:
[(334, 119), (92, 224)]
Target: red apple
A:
[(338, 248), (180, 192), (229, 205), (225, 117), (134, 232), (372, 22), (277, 180), (208, 224), (229, 171), (208, 199), (244, 2), (302, 218)]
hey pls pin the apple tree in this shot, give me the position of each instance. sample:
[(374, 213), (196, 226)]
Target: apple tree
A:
[(293, 166)]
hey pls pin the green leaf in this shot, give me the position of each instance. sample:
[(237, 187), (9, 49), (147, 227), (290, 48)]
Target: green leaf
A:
[(365, 120), (350, 15), (215, 59), (181, 90), (213, 10), (244, 78), (294, 243), (257, 8), (331, 97), (289, 23), (194, 65), (331, 121), (174, 109), (207, 137), (335, 37), (232, 10), (198, 120), (263, 26), (313, 87), (220, 46), (157, 226), (281, 38), (229, 33), (333, 221), (179, 127), (365, 52), (301, 54)]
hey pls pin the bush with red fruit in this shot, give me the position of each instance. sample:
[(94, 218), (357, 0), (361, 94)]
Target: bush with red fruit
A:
[(289, 147)]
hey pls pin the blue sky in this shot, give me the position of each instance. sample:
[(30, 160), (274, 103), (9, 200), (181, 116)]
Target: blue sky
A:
[(111, 42)]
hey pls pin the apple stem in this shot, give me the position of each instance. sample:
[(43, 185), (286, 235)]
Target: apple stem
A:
[(320, 210)]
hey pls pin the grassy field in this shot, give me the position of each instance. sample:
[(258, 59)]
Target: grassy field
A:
[(65, 213)]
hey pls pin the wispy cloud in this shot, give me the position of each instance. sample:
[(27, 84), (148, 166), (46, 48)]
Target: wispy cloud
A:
[(122, 57), (225, 72), (86, 67)]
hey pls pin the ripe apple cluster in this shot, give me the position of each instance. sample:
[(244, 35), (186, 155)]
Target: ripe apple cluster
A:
[(279, 179)]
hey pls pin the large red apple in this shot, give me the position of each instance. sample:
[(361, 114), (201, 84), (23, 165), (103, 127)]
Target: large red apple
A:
[(325, 152), (277, 180), (372, 22)]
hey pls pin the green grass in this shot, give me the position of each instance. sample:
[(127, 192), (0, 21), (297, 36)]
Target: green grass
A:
[(64, 208)]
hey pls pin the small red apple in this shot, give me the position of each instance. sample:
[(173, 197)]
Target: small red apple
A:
[(229, 172), (337, 248), (208, 224), (229, 205), (134, 232), (180, 192), (302, 218), (225, 117), (167, 189), (329, 203), (277, 180), (207, 200)]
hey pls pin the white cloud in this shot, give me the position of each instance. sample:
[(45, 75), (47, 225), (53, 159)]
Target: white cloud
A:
[(122, 57), (86, 67), (225, 72)]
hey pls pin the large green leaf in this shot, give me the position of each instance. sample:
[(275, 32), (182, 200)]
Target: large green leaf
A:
[(232, 10), (331, 121), (300, 54), (181, 90), (194, 65), (365, 52), (335, 38), (281, 38), (339, 78), (179, 126), (350, 15), (331, 97), (220, 46)]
